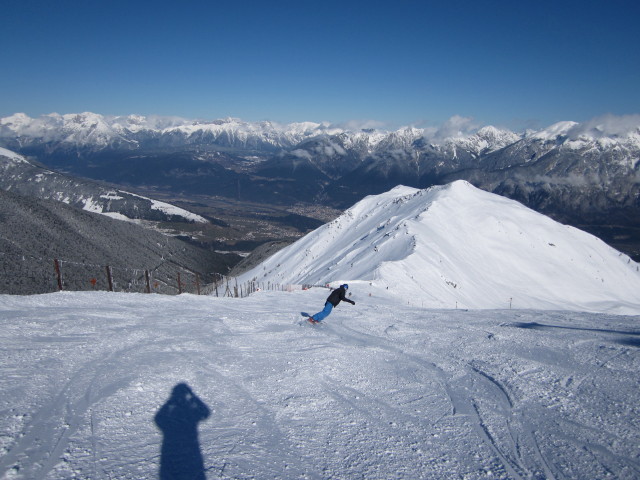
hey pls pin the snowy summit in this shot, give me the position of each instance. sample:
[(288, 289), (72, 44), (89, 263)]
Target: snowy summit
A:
[(456, 246)]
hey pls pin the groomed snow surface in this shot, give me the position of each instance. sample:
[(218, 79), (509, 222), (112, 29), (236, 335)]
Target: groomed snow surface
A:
[(129, 386)]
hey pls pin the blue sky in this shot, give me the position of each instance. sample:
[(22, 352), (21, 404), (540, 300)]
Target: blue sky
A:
[(515, 64)]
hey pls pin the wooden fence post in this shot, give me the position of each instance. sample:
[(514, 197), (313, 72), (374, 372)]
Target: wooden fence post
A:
[(109, 279), (56, 264), (179, 284), (146, 277)]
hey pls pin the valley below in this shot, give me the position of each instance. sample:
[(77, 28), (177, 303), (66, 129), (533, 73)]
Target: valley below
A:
[(237, 225)]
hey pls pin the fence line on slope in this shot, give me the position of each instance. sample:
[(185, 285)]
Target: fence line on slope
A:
[(45, 275)]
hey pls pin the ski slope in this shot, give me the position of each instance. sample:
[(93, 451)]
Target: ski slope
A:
[(381, 390)]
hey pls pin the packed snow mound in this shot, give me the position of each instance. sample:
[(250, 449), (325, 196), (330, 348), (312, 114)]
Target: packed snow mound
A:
[(456, 246)]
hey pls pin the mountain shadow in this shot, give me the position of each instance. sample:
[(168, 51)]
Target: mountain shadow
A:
[(178, 419)]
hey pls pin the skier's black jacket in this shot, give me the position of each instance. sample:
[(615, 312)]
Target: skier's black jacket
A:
[(337, 295)]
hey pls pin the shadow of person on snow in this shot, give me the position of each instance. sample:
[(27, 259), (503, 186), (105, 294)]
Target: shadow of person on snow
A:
[(178, 419)]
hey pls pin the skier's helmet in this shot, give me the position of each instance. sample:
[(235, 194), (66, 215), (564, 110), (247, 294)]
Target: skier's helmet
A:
[(346, 287)]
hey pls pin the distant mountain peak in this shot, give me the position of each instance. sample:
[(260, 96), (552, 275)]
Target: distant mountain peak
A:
[(554, 131)]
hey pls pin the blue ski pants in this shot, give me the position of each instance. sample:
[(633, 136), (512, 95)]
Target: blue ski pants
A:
[(318, 317)]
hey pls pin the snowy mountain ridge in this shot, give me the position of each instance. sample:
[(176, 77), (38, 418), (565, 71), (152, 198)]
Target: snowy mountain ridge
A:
[(13, 156), (19, 175), (97, 130), (456, 246), (457, 145), (83, 129), (602, 132), (94, 130)]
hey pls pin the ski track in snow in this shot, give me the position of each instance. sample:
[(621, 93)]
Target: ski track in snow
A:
[(379, 390)]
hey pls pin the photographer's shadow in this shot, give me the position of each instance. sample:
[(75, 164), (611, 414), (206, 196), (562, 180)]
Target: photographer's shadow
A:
[(178, 419)]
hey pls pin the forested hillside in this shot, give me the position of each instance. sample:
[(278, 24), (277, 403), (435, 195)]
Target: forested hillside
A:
[(35, 232)]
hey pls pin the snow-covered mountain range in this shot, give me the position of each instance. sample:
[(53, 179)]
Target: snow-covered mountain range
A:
[(457, 246), (98, 131), (345, 162)]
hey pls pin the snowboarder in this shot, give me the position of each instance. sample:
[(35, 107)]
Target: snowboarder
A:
[(332, 301)]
